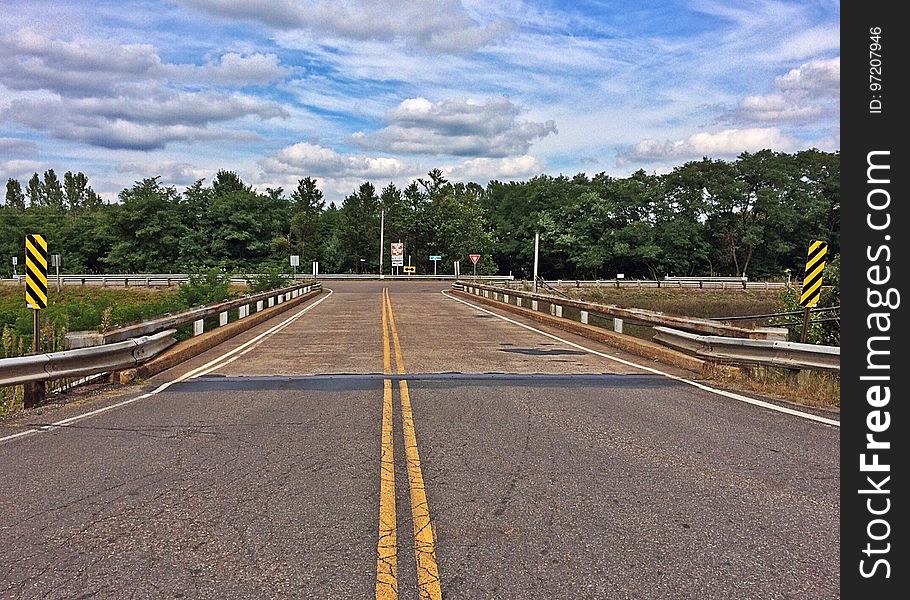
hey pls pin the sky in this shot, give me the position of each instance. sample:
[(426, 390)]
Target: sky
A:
[(386, 90)]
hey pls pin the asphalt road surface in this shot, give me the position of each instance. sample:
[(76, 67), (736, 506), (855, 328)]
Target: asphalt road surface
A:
[(410, 445)]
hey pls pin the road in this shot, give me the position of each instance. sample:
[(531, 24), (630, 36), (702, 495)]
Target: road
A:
[(387, 440)]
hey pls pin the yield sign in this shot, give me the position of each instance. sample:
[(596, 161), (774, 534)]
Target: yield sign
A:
[(474, 258)]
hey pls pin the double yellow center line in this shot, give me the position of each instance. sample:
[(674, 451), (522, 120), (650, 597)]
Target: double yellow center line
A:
[(387, 547)]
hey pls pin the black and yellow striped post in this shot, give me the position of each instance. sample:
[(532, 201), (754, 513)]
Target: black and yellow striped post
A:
[(812, 282), (36, 299)]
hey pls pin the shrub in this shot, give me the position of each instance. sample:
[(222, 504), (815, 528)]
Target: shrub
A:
[(204, 287), (269, 278)]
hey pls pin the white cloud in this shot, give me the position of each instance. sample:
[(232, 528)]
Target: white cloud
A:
[(815, 77), (171, 172), (21, 170), (462, 127), (727, 143), (485, 169), (777, 108), (304, 159), (437, 25), (139, 124), (232, 68)]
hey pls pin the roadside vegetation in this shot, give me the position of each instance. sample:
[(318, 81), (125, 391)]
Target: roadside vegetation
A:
[(93, 308), (755, 215)]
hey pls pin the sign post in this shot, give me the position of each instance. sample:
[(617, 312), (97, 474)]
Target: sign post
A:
[(812, 282), (295, 262), (55, 262), (36, 299), (15, 262), (536, 252), (435, 258), (397, 254), (474, 258)]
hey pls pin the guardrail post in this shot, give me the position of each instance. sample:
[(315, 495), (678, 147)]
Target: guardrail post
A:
[(505, 298), (617, 325), (223, 318), (584, 317), (533, 304), (271, 302), (558, 311), (198, 327), (518, 301), (259, 306)]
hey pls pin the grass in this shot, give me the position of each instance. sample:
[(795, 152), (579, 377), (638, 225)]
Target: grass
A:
[(76, 309), (685, 302)]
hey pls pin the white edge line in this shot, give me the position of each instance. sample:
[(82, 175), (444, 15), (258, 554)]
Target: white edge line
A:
[(206, 368), (701, 386)]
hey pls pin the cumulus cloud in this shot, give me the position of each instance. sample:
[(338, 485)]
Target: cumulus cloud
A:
[(462, 127), (303, 159), (437, 25), (485, 169), (20, 169), (171, 172), (232, 68), (33, 61), (815, 77), (139, 124), (727, 143), (804, 94)]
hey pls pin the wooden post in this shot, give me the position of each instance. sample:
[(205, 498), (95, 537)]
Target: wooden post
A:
[(35, 392), (802, 337)]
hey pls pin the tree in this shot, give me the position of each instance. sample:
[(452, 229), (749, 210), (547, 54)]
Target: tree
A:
[(14, 196), (53, 190), (77, 192), (146, 229), (359, 229), (35, 192), (307, 206)]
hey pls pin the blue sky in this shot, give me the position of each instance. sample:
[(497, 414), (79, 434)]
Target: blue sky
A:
[(386, 90)]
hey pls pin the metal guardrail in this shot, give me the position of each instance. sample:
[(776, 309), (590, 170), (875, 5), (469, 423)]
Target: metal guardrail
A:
[(633, 315), (705, 283), (172, 279), (720, 349), (86, 361), (77, 339)]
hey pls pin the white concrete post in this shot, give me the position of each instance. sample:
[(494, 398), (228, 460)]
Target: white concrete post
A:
[(558, 311), (271, 302), (518, 301), (505, 298), (617, 325), (533, 304), (198, 327), (222, 319), (259, 306), (584, 317)]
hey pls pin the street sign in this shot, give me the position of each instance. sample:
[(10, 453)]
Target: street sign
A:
[(435, 257), (815, 265), (15, 260), (397, 254), (295, 260), (36, 272), (474, 258), (409, 269)]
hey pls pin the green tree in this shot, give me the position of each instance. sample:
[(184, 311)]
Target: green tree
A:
[(359, 229), (14, 196), (307, 204), (53, 190), (145, 229), (35, 192)]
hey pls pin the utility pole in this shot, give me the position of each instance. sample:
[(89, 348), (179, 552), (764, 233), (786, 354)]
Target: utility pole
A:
[(381, 240), (536, 251)]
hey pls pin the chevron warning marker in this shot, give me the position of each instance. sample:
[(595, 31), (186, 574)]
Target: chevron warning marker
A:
[(36, 272), (812, 282)]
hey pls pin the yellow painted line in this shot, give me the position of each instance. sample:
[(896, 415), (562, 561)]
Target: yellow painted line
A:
[(387, 546), (428, 587)]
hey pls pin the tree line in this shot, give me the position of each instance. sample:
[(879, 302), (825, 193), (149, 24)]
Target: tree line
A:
[(754, 215)]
